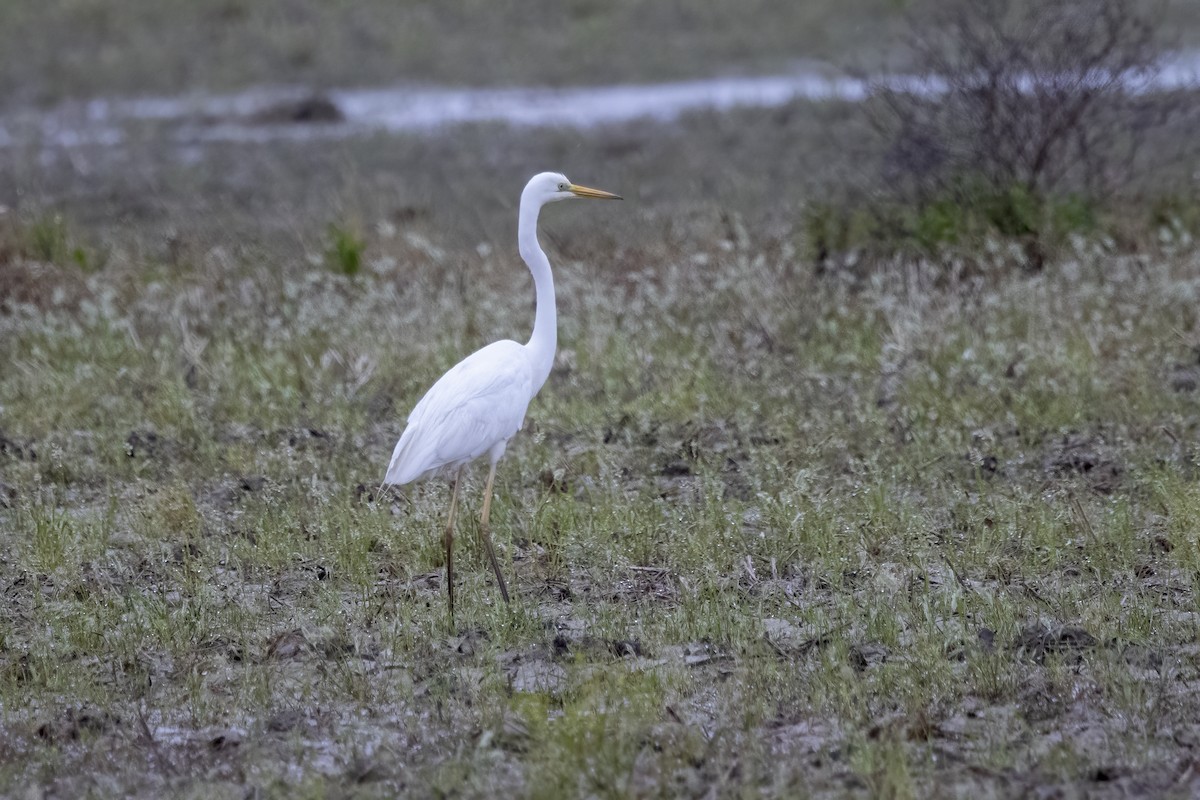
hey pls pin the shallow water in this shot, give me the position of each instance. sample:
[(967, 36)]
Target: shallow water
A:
[(273, 113)]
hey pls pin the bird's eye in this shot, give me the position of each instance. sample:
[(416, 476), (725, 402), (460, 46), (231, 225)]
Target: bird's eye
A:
[(562, 187)]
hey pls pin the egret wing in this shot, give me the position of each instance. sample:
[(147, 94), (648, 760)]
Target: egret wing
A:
[(478, 404)]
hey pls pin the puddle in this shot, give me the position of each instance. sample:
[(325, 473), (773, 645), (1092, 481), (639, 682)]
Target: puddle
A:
[(268, 114)]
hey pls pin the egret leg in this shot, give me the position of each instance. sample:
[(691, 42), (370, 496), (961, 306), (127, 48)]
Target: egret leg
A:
[(487, 534), (450, 541)]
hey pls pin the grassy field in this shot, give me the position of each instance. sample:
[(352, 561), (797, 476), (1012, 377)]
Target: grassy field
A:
[(916, 529), (769, 532)]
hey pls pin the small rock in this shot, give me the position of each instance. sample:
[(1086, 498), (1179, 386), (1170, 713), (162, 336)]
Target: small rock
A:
[(1038, 640), (864, 656), (144, 443), (311, 109), (285, 721), (468, 643), (625, 647), (696, 654), (538, 676), (287, 645), (228, 740), (252, 483), (784, 634), (1142, 657), (1185, 378)]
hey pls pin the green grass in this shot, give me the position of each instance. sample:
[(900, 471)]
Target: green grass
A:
[(802, 562), (345, 251)]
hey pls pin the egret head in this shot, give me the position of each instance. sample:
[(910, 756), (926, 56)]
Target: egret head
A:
[(547, 187)]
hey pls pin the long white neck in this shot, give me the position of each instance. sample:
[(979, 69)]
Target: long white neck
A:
[(544, 340)]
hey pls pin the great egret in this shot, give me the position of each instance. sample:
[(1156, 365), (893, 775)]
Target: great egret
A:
[(476, 407)]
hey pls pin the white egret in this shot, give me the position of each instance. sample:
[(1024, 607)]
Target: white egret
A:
[(479, 405)]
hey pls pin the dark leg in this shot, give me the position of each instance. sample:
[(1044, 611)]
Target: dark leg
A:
[(487, 534), (450, 541)]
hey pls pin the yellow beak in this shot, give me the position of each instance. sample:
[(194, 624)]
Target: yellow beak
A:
[(583, 191)]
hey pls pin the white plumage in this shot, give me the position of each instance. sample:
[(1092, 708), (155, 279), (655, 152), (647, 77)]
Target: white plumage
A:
[(479, 405), (473, 409)]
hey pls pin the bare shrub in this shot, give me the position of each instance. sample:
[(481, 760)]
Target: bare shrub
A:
[(1037, 95), (1027, 120)]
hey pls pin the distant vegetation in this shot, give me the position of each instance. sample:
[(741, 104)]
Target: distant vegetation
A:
[(1034, 127), (345, 250)]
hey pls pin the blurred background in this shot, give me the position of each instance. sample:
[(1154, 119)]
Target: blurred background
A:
[(278, 119), (182, 118), (71, 49)]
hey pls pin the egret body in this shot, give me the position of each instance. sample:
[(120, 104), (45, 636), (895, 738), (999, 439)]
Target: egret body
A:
[(479, 404)]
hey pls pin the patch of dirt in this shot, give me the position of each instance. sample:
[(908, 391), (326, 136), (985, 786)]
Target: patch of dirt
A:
[(285, 646), (301, 439), (235, 491), (146, 443), (74, 723), (864, 656), (17, 449), (537, 675), (568, 643), (469, 643), (286, 720), (534, 669), (653, 583), (1085, 455), (1037, 641), (680, 455), (44, 286), (805, 736), (986, 456), (1184, 378), (315, 108), (8, 495)]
